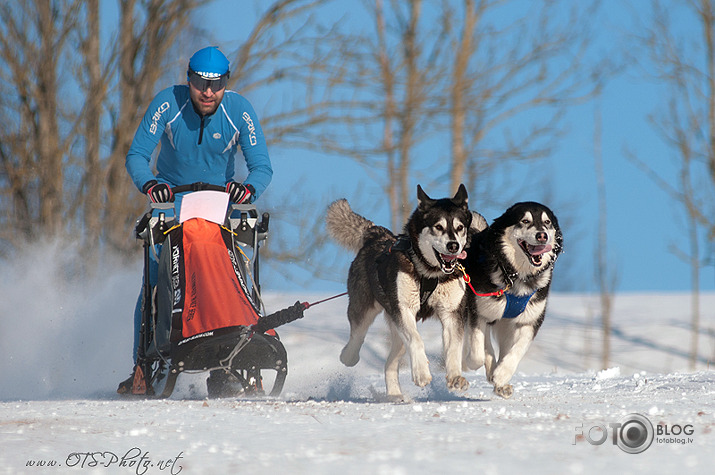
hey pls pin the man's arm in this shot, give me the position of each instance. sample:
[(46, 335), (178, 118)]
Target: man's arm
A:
[(255, 151), (145, 141)]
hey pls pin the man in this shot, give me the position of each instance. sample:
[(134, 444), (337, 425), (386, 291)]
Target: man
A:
[(200, 126)]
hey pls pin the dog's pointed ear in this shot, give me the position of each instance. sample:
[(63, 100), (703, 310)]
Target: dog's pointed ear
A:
[(422, 197), (460, 198), (479, 224)]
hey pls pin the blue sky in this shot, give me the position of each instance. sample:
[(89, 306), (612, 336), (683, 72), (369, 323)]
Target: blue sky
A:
[(643, 223)]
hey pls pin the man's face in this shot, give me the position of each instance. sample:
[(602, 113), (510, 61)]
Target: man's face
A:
[(206, 102)]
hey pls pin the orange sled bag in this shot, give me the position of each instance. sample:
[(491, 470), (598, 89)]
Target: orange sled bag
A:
[(201, 289)]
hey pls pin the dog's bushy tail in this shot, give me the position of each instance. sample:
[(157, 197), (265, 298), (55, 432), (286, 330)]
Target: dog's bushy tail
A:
[(346, 226)]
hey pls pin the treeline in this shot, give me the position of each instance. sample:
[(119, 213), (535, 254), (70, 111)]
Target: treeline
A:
[(399, 72), (377, 81)]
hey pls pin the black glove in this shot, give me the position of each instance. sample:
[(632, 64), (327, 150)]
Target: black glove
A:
[(158, 192), (240, 193)]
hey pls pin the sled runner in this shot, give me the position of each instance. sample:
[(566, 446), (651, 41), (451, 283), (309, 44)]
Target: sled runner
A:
[(204, 313)]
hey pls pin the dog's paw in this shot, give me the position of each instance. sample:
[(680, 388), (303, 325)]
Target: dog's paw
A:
[(421, 375), (505, 391), (349, 357), (397, 399), (457, 383), (422, 378), (489, 371)]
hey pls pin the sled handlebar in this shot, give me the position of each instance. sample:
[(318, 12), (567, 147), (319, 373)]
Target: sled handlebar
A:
[(245, 211), (198, 186)]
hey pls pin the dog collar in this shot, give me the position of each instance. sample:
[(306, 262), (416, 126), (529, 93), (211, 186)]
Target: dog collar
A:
[(509, 278)]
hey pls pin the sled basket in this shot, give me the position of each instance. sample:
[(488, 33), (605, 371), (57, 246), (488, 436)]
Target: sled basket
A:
[(200, 314)]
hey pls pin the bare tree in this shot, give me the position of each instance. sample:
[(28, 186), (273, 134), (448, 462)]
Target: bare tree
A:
[(147, 32), (381, 83), (460, 89), (402, 90), (604, 280), (451, 76), (71, 174), (528, 69), (387, 79), (54, 176), (335, 88), (288, 57), (458, 81), (35, 145), (89, 200), (683, 61)]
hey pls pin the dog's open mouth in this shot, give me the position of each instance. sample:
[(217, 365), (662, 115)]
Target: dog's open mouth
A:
[(448, 262), (534, 253)]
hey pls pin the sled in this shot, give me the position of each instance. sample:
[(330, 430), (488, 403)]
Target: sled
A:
[(204, 313)]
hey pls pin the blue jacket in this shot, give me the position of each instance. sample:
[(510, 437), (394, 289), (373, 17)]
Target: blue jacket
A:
[(195, 152)]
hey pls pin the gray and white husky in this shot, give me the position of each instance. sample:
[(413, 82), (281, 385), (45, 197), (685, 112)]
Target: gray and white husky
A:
[(510, 265), (410, 277)]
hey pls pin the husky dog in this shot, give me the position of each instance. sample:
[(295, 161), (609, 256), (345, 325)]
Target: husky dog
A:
[(510, 265), (411, 277)]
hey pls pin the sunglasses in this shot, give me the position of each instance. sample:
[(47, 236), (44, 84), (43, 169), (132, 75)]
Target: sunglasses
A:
[(202, 84)]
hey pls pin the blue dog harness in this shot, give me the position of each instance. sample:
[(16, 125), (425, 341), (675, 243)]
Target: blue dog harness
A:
[(516, 305)]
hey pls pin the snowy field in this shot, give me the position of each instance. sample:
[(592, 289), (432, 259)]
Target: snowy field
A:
[(64, 348)]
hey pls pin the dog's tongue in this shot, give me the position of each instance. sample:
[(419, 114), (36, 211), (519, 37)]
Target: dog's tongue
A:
[(538, 250), (451, 257)]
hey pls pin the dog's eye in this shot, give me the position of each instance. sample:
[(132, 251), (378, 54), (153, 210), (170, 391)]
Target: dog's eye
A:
[(525, 221), (547, 222), (460, 228), (439, 227)]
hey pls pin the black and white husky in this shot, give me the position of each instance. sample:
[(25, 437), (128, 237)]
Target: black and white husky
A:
[(510, 265), (411, 277)]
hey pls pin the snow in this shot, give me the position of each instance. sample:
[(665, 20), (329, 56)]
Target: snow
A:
[(65, 344)]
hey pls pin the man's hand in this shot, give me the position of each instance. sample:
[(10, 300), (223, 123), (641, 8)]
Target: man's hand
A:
[(158, 192), (239, 193)]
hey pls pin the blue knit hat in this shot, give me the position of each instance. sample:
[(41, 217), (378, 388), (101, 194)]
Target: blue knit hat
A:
[(209, 62)]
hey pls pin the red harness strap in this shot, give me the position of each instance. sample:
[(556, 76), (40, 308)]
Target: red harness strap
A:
[(468, 280)]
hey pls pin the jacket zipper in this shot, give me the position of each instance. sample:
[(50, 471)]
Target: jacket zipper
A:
[(201, 129)]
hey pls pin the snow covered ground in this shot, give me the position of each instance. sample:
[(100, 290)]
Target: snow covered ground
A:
[(65, 346)]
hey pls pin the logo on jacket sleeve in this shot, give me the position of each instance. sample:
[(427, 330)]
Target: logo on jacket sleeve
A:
[(251, 128), (157, 115)]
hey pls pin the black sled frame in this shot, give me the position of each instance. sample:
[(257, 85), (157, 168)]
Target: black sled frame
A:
[(238, 353)]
